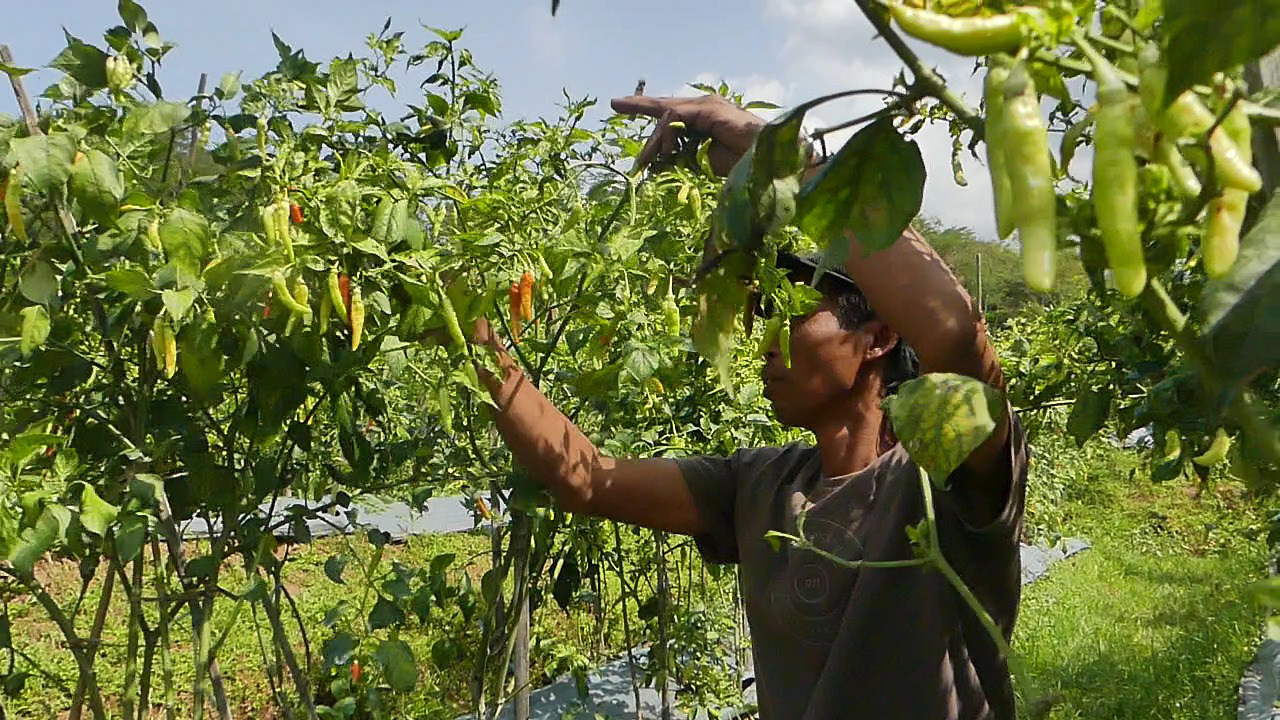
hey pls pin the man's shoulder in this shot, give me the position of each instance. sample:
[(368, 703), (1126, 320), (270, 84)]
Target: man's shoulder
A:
[(774, 459)]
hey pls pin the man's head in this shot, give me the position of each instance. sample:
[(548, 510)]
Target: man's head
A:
[(840, 352)]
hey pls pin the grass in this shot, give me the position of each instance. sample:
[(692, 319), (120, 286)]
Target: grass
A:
[(1153, 621)]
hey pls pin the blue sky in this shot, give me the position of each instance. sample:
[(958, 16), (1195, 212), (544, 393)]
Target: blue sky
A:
[(784, 51)]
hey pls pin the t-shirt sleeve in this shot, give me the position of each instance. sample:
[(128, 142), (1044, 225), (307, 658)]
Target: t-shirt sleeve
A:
[(713, 483), (1008, 519)]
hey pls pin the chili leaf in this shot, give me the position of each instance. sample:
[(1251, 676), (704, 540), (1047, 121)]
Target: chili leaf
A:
[(398, 666), (1208, 36), (46, 159), (96, 184), (943, 417)]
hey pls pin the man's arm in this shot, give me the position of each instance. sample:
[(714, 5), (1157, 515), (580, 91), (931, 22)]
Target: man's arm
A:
[(914, 292), (649, 492)]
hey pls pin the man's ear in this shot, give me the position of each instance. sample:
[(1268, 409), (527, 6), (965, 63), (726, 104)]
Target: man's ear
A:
[(882, 340)]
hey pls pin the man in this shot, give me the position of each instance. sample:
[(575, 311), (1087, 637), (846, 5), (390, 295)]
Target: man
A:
[(829, 642)]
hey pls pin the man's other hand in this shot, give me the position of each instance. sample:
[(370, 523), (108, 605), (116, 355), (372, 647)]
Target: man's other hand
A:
[(731, 128)]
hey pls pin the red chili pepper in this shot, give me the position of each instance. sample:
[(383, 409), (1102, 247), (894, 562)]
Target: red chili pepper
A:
[(295, 214), (266, 307), (344, 283), (355, 671)]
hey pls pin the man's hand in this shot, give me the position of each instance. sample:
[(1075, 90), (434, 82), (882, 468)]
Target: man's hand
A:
[(731, 128)]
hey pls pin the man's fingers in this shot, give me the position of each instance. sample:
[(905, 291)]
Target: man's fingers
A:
[(662, 141), (643, 105)]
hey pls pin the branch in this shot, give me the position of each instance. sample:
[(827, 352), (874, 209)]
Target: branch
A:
[(926, 79)]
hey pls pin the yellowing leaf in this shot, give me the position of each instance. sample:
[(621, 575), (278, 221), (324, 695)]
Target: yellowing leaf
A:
[(941, 418)]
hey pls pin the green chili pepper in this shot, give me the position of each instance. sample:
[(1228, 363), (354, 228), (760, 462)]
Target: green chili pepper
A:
[(1026, 149), (450, 318), (326, 309), (962, 35), (357, 316), (1184, 176), (302, 295), (1188, 116), (1152, 76), (446, 408), (1221, 243), (335, 296), (770, 334), (1115, 179), (993, 94), (281, 289), (13, 202), (283, 229), (671, 311)]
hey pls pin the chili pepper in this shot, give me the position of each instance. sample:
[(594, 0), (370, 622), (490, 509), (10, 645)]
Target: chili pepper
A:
[(483, 507), (545, 269), (1184, 176), (13, 202), (165, 346), (337, 298), (514, 301), (1217, 451), (302, 294), (1172, 445), (993, 94), (450, 318), (526, 296), (326, 309), (1187, 115), (357, 317), (344, 286), (282, 291), (295, 214), (1221, 242), (266, 307), (1026, 148), (262, 136), (153, 235), (268, 216), (1115, 179), (961, 35), (771, 329), (1152, 76), (355, 672), (446, 408), (671, 311), (283, 228)]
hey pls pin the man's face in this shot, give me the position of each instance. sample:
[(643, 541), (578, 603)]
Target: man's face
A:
[(825, 360)]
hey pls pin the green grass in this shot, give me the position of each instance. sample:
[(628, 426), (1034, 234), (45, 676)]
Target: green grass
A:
[(1153, 621)]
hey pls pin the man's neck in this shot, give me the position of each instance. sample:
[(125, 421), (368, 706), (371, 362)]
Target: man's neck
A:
[(849, 437)]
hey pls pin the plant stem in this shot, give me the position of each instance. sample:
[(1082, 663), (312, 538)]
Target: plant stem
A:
[(95, 637), (134, 594), (162, 608), (925, 78)]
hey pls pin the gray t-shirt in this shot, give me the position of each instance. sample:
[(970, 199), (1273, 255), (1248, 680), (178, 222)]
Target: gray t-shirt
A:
[(876, 643)]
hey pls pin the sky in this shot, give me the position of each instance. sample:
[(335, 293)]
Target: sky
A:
[(783, 51)]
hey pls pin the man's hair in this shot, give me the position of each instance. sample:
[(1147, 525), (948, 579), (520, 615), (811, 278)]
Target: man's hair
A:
[(852, 310)]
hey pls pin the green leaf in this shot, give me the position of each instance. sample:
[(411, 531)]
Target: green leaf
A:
[(35, 541), (200, 359), (96, 184), (96, 514), (22, 446), (339, 649), (83, 62), (873, 186), (333, 568), (385, 614), (398, 666), (1242, 327), (130, 535), (441, 562), (178, 302), (134, 17), (1088, 415), (158, 117), (35, 329), (1208, 36), (643, 362), (39, 284), (184, 236), (130, 281), (229, 87), (941, 418), (13, 71), (46, 159), (390, 222)]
